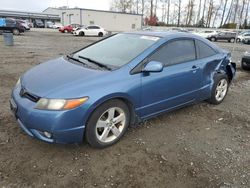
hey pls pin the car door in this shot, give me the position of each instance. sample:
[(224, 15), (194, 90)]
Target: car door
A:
[(177, 84), (90, 31), (95, 30)]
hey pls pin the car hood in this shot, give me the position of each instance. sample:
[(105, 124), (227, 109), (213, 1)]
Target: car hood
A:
[(57, 75)]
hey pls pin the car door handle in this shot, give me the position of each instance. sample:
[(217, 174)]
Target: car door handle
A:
[(194, 68)]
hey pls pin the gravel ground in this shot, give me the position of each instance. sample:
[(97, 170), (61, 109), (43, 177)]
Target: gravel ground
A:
[(197, 146)]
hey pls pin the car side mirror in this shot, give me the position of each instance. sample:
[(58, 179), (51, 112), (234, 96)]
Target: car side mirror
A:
[(153, 66)]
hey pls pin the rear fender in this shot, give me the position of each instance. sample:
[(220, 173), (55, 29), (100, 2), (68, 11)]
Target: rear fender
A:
[(226, 67)]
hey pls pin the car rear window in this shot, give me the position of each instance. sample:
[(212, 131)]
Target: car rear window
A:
[(203, 50)]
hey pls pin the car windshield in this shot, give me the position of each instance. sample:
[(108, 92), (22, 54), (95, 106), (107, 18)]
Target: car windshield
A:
[(117, 50)]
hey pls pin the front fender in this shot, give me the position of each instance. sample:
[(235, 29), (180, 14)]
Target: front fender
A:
[(123, 96)]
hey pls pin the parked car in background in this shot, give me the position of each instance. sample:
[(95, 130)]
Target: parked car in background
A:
[(68, 28), (24, 23), (245, 61), (95, 93), (223, 36), (38, 23), (77, 28), (91, 30), (56, 25), (49, 24), (11, 25), (206, 33), (242, 35), (246, 39)]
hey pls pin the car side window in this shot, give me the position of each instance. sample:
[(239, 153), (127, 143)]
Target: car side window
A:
[(203, 50), (175, 52)]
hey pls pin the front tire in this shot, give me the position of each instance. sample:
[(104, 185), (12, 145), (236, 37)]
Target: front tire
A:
[(100, 34), (213, 39), (232, 40), (219, 89), (81, 34), (107, 124)]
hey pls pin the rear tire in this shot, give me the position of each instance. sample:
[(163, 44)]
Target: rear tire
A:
[(219, 89), (107, 124), (65, 31), (16, 32)]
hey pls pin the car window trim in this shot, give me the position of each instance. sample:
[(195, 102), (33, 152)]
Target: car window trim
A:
[(138, 68)]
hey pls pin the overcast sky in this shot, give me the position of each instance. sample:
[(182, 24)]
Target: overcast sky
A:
[(40, 5)]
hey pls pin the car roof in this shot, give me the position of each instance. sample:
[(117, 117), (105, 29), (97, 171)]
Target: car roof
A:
[(167, 34)]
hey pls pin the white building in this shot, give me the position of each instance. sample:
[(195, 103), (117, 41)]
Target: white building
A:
[(111, 21)]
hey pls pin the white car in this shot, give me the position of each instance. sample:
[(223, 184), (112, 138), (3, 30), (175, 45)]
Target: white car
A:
[(92, 30), (56, 25), (25, 24), (246, 39), (206, 33), (242, 35)]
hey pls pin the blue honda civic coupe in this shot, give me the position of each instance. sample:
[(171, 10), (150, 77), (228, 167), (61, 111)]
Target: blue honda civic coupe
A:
[(95, 93)]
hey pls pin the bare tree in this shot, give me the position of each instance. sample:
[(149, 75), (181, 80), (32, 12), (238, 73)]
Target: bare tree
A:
[(217, 12), (235, 10), (190, 12), (179, 12), (122, 5), (151, 8), (223, 13), (242, 9), (210, 12), (204, 8), (247, 11), (156, 6), (229, 13), (199, 12), (168, 1)]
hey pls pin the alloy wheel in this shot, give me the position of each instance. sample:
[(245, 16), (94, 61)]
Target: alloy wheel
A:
[(110, 125), (221, 90)]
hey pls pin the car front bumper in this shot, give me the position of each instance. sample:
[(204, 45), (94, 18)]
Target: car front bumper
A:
[(63, 126)]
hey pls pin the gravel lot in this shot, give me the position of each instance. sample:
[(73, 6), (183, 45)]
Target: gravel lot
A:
[(197, 146)]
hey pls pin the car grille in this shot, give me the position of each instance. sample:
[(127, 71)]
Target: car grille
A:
[(25, 94)]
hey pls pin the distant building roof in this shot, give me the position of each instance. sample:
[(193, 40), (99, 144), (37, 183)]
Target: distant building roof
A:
[(27, 14), (66, 8)]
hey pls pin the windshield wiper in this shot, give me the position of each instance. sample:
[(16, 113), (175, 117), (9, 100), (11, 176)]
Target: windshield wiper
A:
[(75, 59), (95, 62)]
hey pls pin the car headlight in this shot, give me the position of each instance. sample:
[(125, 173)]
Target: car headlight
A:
[(59, 104), (18, 82)]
